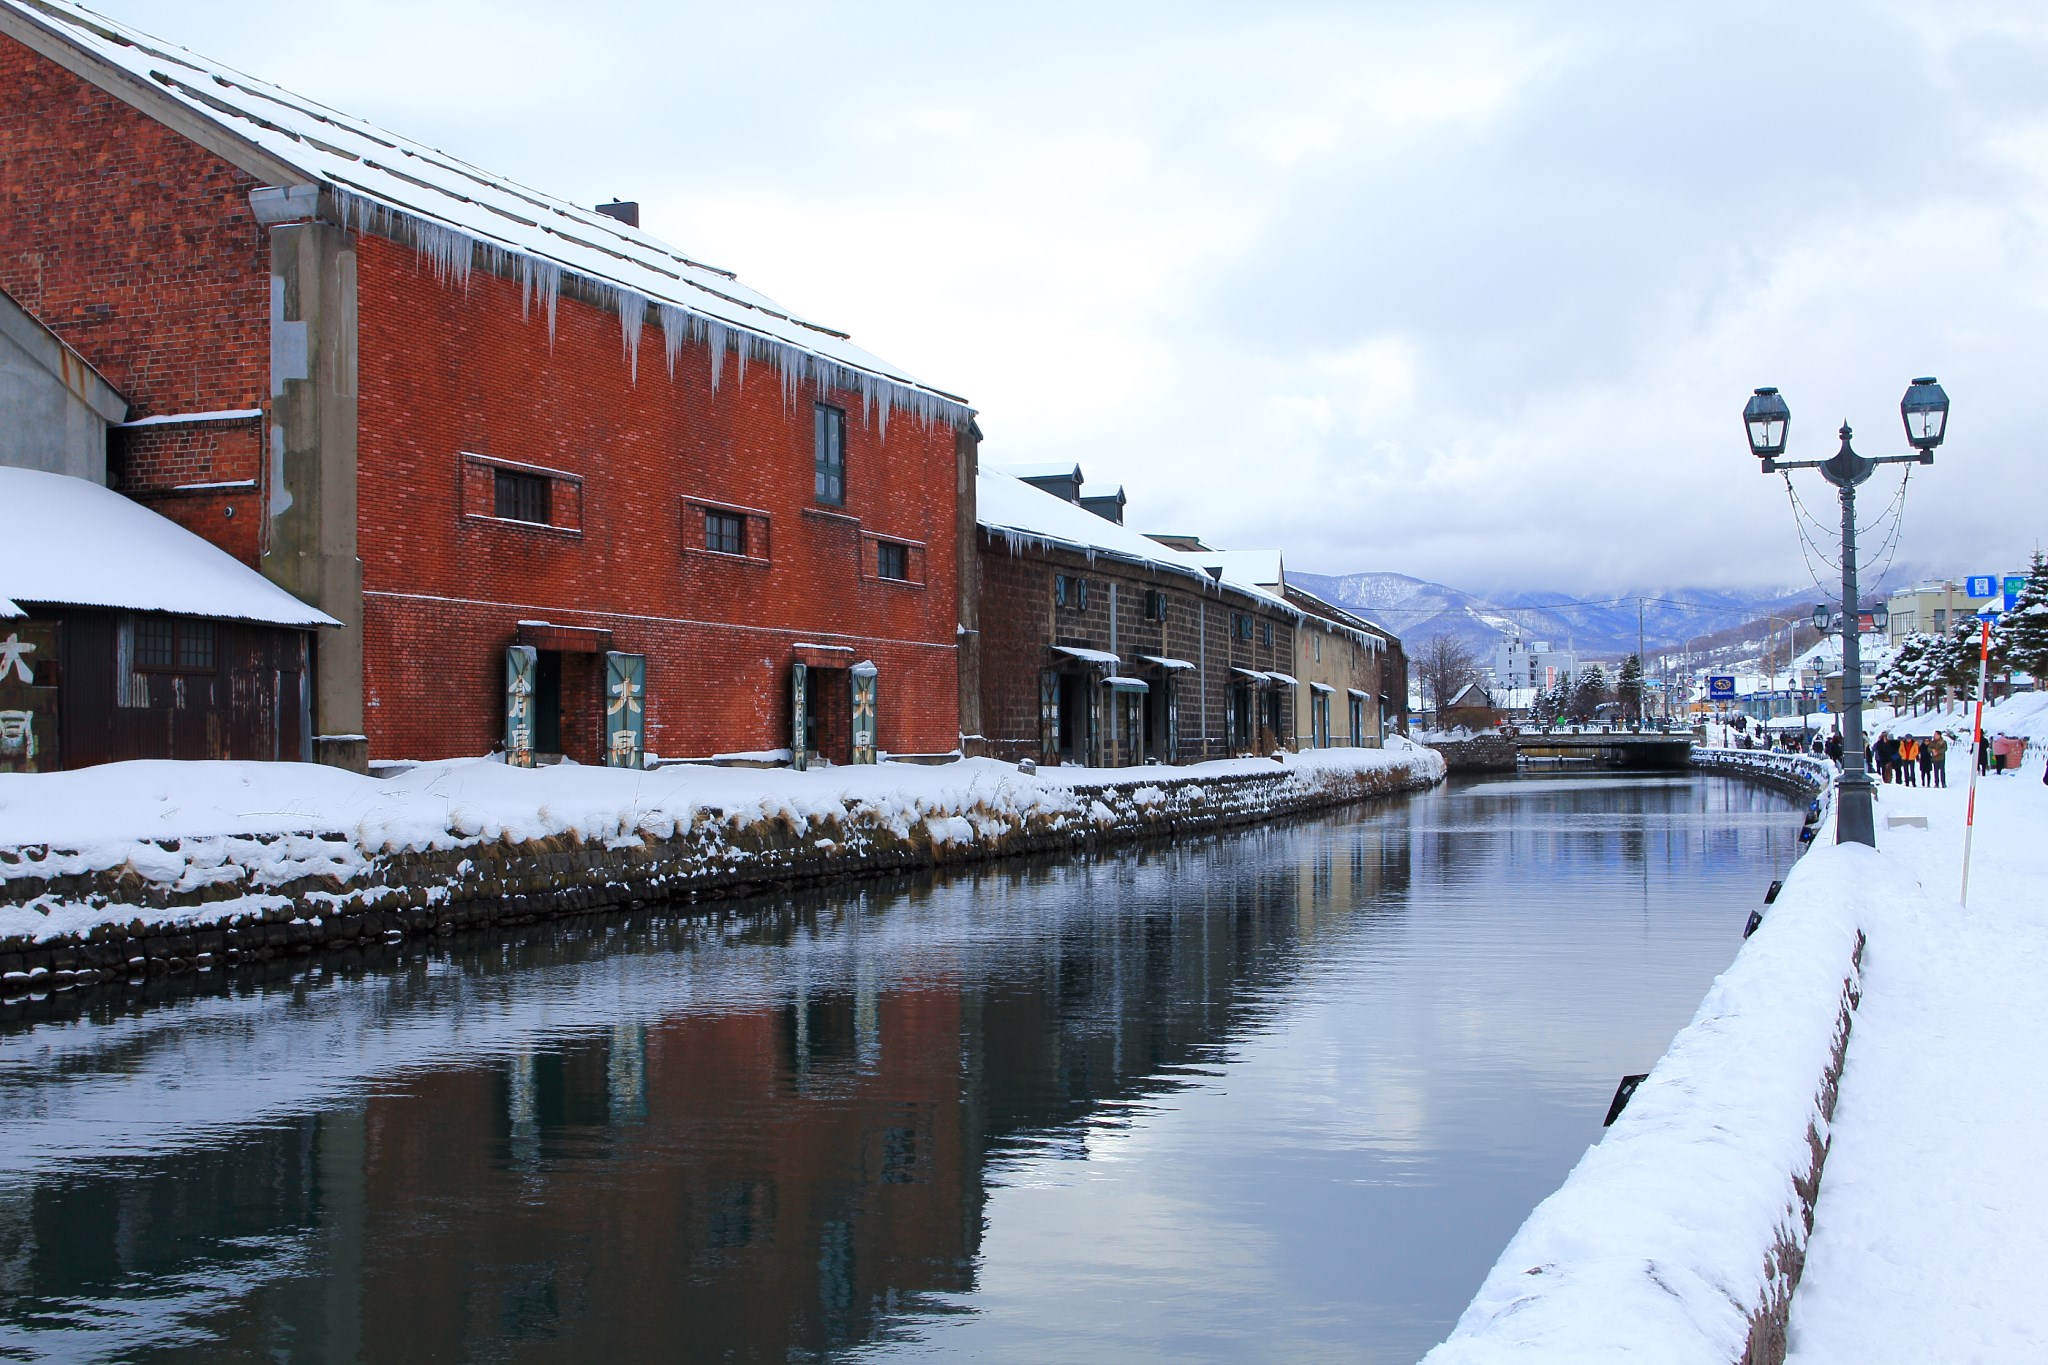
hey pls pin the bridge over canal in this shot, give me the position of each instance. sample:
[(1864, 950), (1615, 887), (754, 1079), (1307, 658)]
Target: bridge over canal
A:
[(1619, 749)]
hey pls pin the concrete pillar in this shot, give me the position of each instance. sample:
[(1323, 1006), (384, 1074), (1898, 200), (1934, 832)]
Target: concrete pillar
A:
[(967, 542), (310, 478)]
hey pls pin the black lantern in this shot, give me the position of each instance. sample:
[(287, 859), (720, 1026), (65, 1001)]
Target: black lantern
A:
[(1823, 619), (1766, 417), (1925, 410), (1880, 618)]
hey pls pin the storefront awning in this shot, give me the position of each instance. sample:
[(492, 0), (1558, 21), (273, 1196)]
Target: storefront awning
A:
[(1116, 684), (1283, 679), (1362, 696), (1251, 673), (1087, 656), (1320, 687), (1170, 665)]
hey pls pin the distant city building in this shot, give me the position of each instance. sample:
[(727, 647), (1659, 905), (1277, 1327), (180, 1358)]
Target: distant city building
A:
[(1931, 608), (1520, 663)]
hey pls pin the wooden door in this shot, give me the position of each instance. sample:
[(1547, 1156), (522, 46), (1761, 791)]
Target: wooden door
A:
[(522, 667), (625, 717)]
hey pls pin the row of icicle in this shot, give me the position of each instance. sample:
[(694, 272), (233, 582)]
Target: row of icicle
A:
[(452, 255)]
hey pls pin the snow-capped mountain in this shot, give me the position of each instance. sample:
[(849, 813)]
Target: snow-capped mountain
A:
[(1416, 609)]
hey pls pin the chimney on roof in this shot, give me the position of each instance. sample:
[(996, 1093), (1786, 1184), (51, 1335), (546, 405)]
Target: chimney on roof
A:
[(625, 210)]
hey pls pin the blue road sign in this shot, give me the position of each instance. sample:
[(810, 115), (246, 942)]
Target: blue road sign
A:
[(1721, 687), (1981, 585)]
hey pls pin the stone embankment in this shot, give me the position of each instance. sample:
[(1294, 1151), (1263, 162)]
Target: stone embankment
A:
[(1681, 1235), (422, 861), (1476, 754)]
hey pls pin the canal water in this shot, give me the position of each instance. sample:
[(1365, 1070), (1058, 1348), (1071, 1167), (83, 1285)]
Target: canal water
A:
[(1280, 1094)]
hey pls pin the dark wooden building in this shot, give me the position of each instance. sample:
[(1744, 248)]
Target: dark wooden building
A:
[(123, 635)]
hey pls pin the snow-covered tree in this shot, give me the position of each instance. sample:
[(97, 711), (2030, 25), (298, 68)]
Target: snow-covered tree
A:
[(1913, 678), (1589, 692), (1628, 687), (2021, 639)]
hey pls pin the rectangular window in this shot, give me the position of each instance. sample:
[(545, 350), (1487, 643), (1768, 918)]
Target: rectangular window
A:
[(1266, 634), (892, 560), (830, 456), (1155, 605), (521, 497), (1059, 590), (725, 533), (174, 645)]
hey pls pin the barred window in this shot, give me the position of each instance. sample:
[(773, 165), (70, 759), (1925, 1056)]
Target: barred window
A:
[(725, 533), (521, 497)]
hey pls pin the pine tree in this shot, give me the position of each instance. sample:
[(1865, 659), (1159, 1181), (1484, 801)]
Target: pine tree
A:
[(2021, 638), (1628, 688), (1589, 692)]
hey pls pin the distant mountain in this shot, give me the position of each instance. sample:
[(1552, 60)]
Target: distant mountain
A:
[(1416, 610)]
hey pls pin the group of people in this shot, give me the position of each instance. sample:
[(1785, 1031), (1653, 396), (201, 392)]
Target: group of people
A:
[(1912, 760), (2002, 754)]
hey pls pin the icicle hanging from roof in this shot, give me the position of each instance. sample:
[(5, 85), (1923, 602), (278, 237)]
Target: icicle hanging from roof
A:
[(632, 310), (453, 254)]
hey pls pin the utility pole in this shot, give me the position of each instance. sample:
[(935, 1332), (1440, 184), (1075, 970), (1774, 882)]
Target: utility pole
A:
[(1639, 661)]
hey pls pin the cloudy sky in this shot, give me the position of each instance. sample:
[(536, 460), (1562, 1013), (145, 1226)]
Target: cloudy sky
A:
[(1470, 292)]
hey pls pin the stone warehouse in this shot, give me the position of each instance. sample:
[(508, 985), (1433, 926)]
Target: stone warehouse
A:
[(568, 491), (1102, 646)]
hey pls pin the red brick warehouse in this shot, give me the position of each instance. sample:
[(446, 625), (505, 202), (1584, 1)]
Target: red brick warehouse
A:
[(533, 458)]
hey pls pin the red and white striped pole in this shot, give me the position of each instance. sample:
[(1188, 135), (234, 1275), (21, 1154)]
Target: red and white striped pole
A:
[(1976, 744)]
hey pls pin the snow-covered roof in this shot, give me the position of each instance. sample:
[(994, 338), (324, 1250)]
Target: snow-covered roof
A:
[(384, 183), (1087, 656), (70, 542), (1007, 506), (1170, 665), (1262, 567)]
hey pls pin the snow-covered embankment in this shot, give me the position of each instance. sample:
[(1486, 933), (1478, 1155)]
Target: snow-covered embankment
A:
[(1679, 1237), (151, 866)]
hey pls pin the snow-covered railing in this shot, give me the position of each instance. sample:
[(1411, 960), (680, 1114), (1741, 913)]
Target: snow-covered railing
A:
[(1679, 1237), (1810, 774)]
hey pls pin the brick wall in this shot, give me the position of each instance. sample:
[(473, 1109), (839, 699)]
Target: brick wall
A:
[(130, 242), (449, 374)]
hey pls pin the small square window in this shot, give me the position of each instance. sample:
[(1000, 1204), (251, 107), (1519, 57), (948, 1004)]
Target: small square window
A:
[(725, 533), (829, 455), (892, 560), (521, 497), (156, 642)]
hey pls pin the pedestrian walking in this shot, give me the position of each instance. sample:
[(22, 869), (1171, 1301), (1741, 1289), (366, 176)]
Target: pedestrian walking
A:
[(1935, 752), (1983, 754), (1909, 761), (1832, 747)]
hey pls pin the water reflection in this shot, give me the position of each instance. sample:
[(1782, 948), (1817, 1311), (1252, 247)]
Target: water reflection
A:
[(1278, 1093)]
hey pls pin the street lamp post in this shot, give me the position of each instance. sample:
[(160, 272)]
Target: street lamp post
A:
[(1766, 419)]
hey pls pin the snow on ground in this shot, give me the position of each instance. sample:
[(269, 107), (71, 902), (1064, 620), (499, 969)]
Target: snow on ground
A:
[(190, 825), (1932, 1225)]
